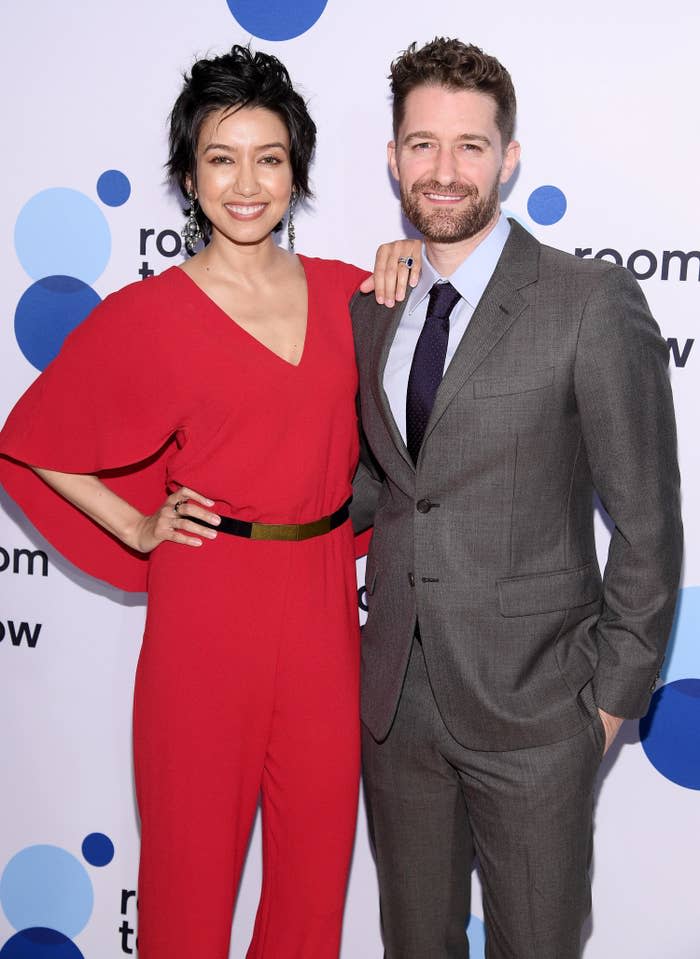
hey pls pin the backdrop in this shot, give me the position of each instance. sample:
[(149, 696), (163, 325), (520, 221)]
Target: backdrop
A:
[(608, 124)]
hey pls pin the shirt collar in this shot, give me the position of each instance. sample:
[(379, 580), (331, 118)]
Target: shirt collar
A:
[(471, 277)]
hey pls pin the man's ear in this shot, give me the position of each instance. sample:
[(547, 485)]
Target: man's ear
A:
[(391, 157), (511, 158)]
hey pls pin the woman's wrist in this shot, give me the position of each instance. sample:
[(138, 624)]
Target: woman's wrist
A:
[(130, 531)]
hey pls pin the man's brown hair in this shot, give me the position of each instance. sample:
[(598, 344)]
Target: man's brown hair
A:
[(458, 66)]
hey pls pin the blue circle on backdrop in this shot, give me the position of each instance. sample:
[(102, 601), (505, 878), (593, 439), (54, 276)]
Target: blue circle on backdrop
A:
[(62, 231), (40, 943), (683, 656), (670, 732), (46, 886), (98, 849), (476, 934), (276, 19), (46, 314), (113, 187), (546, 205)]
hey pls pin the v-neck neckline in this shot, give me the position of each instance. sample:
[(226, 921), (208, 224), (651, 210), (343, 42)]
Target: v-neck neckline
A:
[(246, 333)]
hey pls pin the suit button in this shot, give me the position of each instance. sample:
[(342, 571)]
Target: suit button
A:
[(424, 505), (411, 580)]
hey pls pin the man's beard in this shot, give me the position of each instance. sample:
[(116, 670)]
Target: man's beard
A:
[(448, 225)]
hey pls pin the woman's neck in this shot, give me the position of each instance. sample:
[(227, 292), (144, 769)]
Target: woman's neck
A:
[(241, 262)]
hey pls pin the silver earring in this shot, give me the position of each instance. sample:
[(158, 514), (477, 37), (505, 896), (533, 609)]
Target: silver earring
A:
[(191, 232), (291, 232)]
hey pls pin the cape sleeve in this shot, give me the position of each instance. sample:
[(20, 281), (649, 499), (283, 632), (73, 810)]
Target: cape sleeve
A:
[(105, 405)]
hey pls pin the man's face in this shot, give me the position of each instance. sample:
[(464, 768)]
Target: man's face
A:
[(450, 163)]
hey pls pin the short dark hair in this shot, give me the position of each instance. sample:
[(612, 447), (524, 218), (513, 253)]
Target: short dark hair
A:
[(457, 66), (241, 78)]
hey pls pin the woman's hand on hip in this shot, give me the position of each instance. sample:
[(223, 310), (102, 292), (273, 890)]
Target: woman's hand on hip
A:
[(142, 533), (171, 522)]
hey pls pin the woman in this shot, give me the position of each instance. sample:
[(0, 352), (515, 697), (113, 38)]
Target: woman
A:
[(233, 375)]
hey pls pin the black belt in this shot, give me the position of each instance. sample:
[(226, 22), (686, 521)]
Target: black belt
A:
[(279, 531)]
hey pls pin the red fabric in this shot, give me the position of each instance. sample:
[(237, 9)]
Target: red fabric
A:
[(362, 541), (248, 677), (159, 388)]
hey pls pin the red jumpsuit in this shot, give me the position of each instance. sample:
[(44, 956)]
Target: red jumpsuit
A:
[(247, 682)]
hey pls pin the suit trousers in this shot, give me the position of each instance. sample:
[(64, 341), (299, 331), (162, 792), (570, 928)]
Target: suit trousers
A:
[(527, 814)]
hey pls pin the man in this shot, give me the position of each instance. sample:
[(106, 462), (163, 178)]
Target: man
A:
[(497, 665)]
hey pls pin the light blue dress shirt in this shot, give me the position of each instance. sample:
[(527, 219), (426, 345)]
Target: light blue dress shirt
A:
[(470, 279)]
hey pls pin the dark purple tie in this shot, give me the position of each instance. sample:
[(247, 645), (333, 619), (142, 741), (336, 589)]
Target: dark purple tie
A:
[(428, 364)]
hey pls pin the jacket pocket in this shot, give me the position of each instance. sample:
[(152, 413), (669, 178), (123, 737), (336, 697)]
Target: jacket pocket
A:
[(549, 592), (506, 385)]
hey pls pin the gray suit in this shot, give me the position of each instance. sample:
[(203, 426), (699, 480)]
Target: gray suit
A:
[(558, 388)]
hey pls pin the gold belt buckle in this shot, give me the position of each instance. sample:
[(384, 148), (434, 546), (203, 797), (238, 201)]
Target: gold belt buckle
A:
[(290, 531), (318, 528)]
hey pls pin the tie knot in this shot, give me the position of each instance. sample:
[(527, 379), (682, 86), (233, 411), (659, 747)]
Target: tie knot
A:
[(443, 298)]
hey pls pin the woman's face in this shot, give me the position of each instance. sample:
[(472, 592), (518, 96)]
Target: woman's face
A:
[(244, 174)]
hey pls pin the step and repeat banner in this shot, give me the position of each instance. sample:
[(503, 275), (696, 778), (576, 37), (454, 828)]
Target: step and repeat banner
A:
[(608, 126)]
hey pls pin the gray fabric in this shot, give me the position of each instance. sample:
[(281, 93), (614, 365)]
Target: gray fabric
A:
[(527, 814), (558, 387)]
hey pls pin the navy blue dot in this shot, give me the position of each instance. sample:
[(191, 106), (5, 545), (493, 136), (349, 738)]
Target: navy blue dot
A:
[(46, 314), (98, 849), (276, 19), (113, 187), (546, 205), (670, 732), (40, 943)]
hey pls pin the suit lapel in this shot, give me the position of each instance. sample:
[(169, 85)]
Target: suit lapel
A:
[(498, 309), (387, 325)]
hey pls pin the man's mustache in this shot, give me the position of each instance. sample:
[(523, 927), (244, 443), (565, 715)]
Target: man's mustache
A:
[(451, 189)]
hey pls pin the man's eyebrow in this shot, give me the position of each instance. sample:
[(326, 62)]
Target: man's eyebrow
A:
[(479, 137), (419, 135)]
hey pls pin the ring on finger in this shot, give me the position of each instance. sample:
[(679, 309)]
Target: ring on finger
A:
[(177, 505), (407, 261)]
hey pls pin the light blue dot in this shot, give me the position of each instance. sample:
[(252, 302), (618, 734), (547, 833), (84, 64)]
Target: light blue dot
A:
[(113, 187), (683, 656), (46, 314), (276, 19), (476, 934), (40, 944), (670, 732), (48, 887), (546, 205), (98, 849), (62, 232)]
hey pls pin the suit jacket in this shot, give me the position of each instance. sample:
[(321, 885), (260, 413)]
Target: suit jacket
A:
[(559, 388)]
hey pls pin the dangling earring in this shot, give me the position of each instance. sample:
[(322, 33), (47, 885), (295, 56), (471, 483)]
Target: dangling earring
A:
[(291, 233), (191, 232)]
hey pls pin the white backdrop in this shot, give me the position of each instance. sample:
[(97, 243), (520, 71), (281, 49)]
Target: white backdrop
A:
[(608, 124)]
